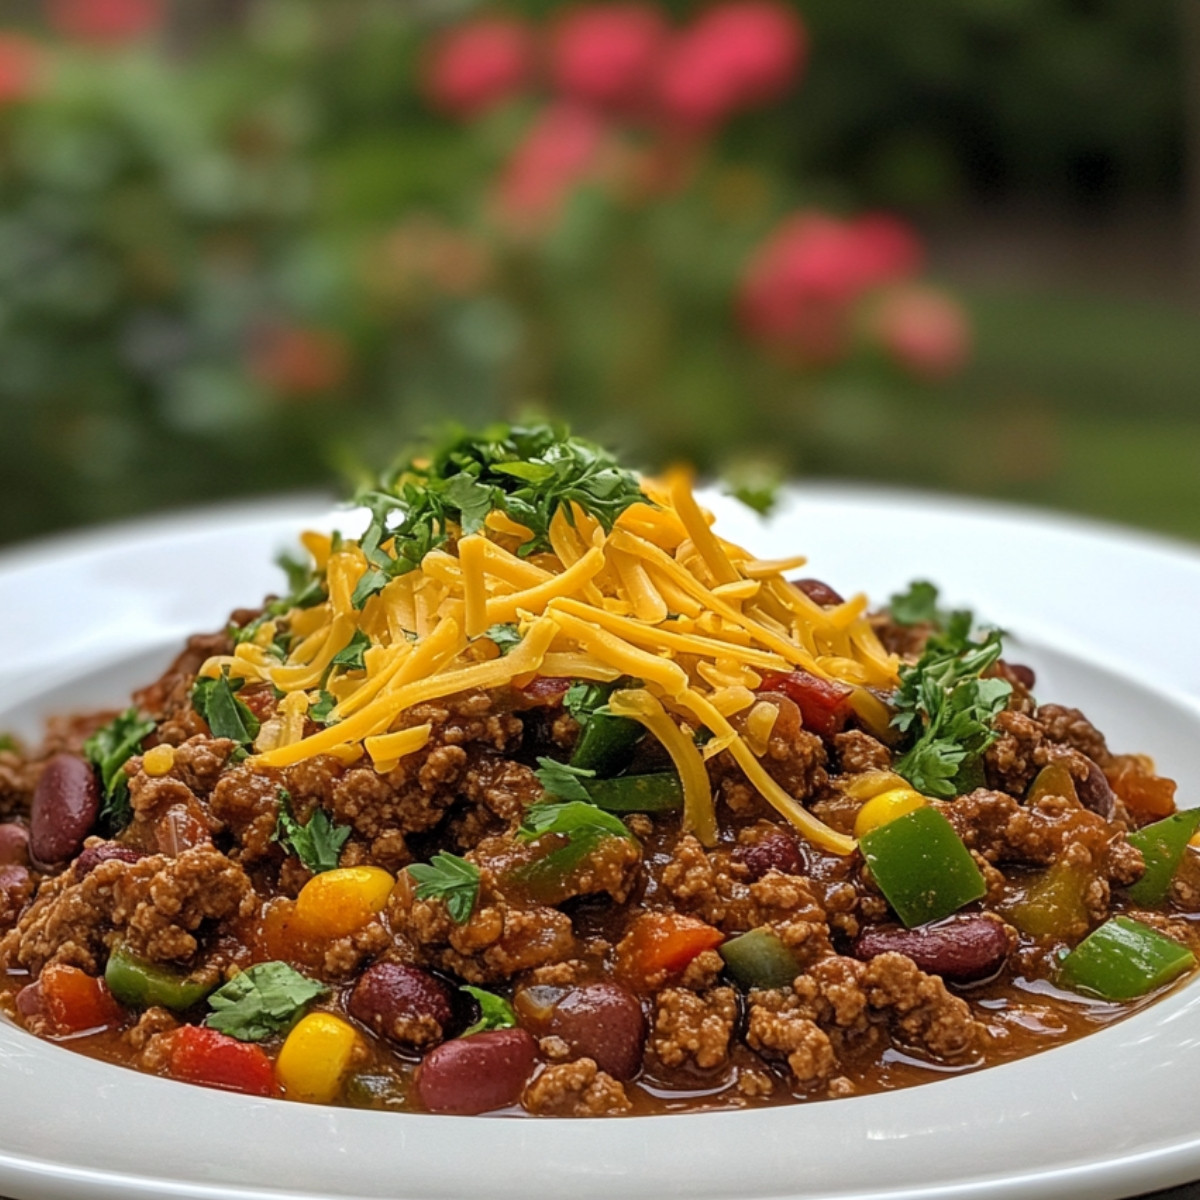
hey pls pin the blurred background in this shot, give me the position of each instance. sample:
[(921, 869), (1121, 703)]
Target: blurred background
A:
[(253, 245)]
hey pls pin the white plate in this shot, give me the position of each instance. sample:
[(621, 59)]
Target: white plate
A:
[(1107, 618)]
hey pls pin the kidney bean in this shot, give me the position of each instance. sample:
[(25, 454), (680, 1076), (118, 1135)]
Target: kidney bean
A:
[(30, 1000), (65, 805), (1095, 792), (14, 843), (962, 949), (774, 851), (399, 1002), (818, 591), (476, 1074), (93, 856), (603, 1022), (1023, 674)]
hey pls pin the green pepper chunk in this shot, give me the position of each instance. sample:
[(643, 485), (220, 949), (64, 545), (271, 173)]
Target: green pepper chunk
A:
[(1162, 845), (606, 744), (1053, 904), (140, 984), (759, 959), (922, 867), (1124, 959), (373, 1090), (660, 791)]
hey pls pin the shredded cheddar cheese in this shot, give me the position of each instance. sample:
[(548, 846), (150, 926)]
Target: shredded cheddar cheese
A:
[(660, 599)]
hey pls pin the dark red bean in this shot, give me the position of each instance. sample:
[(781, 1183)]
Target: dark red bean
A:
[(30, 1001), (65, 805), (93, 856), (403, 1003), (818, 592), (962, 949), (14, 844), (477, 1074), (603, 1022), (774, 851), (1023, 674), (1095, 792)]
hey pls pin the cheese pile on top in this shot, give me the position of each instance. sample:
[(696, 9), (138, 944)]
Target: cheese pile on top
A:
[(650, 593)]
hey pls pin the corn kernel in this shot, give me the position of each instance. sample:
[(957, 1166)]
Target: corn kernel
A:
[(885, 807), (315, 1058), (158, 761), (338, 903)]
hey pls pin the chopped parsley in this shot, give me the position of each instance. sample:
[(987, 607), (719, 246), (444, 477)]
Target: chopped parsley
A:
[(224, 714), (527, 471), (261, 1001), (562, 780), (351, 657), (507, 637), (574, 818), (755, 483), (323, 707), (583, 699), (109, 749), (451, 879), (317, 844), (919, 606), (948, 710), (494, 1011), (306, 586), (7, 742)]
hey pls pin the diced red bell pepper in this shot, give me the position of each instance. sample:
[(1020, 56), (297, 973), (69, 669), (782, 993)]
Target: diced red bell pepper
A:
[(664, 943), (542, 691), (823, 703), (73, 1001), (1132, 777), (202, 1055)]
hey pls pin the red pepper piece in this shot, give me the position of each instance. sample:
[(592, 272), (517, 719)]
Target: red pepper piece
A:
[(823, 703), (202, 1055), (73, 1001), (543, 691), (664, 943)]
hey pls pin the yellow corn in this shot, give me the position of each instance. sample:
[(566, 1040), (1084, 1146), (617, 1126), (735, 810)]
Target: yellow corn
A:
[(315, 1058), (338, 903), (159, 761), (885, 807)]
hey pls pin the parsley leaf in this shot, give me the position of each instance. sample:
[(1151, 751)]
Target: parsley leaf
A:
[(494, 1011), (562, 780), (261, 1001), (306, 587), (947, 706), (451, 879), (318, 844), (323, 707), (351, 656), (224, 714), (573, 818), (8, 742), (582, 699), (919, 606), (507, 637), (756, 483), (109, 749)]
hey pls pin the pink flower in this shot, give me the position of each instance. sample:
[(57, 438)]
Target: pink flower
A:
[(563, 148), (480, 64), (925, 331), (606, 54), (297, 360), (20, 67), (736, 55), (107, 22), (802, 285)]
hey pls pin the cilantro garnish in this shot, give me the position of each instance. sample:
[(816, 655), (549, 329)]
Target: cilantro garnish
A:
[(562, 780), (323, 707), (261, 1001), (351, 656), (583, 699), (528, 472), (755, 483), (574, 818), (109, 749), (494, 1011), (947, 706), (224, 714), (8, 742), (306, 586), (317, 844), (507, 637), (919, 606), (451, 879)]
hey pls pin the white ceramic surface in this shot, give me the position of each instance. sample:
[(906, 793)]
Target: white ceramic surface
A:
[(1105, 617)]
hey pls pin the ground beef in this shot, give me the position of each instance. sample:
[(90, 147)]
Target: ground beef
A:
[(795, 759), (18, 778), (575, 1089), (1069, 727), (1017, 754), (246, 801), (921, 1012), (16, 886), (155, 906), (168, 700), (693, 1027), (797, 1039), (857, 752)]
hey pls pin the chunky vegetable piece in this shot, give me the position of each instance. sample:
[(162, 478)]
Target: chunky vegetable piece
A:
[(341, 902), (1163, 845), (885, 807), (74, 1002), (204, 1056), (665, 943), (141, 984), (316, 1057), (922, 867), (1124, 959), (760, 959), (660, 792)]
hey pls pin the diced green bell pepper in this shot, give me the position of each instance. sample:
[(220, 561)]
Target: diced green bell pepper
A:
[(922, 867), (142, 985), (364, 1089), (1162, 845), (1124, 959), (606, 744), (661, 791), (759, 959), (1053, 904)]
